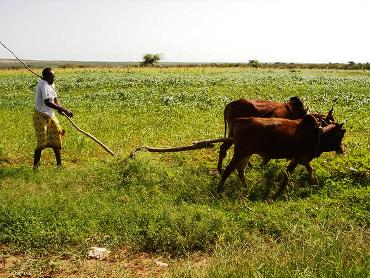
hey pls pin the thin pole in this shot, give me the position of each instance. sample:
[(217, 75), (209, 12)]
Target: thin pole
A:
[(79, 129), (89, 135), (21, 61)]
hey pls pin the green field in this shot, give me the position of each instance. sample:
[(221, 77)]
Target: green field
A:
[(165, 204)]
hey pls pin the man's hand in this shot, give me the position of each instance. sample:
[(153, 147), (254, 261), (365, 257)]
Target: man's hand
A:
[(55, 105), (66, 111)]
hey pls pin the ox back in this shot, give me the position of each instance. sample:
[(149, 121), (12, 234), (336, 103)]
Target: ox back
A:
[(293, 109)]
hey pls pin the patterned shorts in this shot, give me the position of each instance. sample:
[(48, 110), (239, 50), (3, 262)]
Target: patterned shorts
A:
[(49, 134)]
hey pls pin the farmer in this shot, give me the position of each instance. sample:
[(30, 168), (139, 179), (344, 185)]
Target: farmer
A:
[(47, 128)]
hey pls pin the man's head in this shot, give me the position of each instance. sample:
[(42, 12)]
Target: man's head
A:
[(48, 75)]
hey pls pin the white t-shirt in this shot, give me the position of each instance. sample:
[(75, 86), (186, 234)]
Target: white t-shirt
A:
[(44, 91)]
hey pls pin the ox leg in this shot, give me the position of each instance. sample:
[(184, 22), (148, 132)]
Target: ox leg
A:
[(240, 168), (231, 167), (311, 178), (223, 150), (292, 164), (265, 160)]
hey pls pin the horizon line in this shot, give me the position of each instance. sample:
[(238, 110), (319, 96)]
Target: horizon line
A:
[(176, 62)]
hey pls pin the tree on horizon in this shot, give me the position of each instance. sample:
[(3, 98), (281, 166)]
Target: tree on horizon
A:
[(150, 59)]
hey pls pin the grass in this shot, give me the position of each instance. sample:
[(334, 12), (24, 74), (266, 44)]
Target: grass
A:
[(165, 204)]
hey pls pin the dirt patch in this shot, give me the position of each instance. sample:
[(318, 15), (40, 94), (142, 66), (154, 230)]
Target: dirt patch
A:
[(121, 263)]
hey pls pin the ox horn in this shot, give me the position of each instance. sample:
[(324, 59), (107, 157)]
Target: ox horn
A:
[(329, 117)]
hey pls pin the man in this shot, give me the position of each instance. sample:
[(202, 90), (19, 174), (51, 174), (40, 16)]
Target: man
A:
[(48, 131)]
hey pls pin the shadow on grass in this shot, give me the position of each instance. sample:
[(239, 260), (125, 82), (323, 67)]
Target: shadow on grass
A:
[(16, 172), (198, 184), (360, 178), (263, 183)]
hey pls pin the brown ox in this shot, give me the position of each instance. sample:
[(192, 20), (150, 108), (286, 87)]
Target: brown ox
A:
[(297, 140), (242, 108)]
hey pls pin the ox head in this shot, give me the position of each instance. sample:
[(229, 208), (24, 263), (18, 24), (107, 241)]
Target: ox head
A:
[(297, 107), (332, 138)]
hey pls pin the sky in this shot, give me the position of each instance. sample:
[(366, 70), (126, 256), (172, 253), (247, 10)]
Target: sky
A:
[(299, 31)]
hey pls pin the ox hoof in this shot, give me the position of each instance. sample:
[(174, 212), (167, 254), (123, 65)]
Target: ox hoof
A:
[(213, 172), (280, 193), (220, 188), (280, 196), (313, 181)]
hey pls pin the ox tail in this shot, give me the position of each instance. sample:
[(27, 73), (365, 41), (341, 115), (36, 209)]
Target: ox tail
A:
[(225, 122)]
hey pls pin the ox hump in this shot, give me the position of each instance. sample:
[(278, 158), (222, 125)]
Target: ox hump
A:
[(309, 120)]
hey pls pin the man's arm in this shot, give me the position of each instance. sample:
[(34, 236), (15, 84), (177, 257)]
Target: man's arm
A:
[(55, 105)]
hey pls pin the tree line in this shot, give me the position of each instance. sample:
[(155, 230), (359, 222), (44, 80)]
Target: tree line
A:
[(153, 60)]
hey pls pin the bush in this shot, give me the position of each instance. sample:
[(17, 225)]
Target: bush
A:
[(150, 59)]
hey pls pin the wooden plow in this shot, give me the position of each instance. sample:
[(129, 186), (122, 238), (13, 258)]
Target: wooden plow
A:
[(209, 143)]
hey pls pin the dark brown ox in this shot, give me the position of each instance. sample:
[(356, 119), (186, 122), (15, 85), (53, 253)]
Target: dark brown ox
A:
[(243, 108), (322, 119), (296, 140)]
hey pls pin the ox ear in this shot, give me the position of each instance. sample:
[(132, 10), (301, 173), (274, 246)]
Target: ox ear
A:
[(341, 128)]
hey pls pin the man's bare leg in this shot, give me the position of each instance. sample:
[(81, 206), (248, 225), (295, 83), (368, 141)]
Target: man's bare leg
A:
[(36, 158), (58, 156)]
